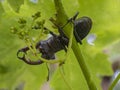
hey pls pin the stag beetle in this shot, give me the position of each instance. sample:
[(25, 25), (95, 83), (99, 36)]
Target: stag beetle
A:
[(49, 47)]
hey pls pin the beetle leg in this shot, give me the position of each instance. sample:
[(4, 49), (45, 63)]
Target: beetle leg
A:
[(72, 19), (52, 33), (60, 29), (75, 16), (78, 39), (53, 21)]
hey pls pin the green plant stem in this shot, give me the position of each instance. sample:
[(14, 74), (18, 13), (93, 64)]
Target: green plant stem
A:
[(114, 82), (62, 75), (28, 43), (83, 65), (61, 19)]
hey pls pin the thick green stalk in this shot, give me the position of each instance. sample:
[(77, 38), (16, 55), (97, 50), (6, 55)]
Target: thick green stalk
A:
[(83, 65), (114, 82), (61, 20)]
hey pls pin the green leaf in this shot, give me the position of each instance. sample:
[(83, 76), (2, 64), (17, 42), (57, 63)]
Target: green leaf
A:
[(73, 76), (106, 24), (16, 4), (1, 10)]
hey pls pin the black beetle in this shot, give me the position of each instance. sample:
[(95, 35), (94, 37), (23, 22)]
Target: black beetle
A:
[(49, 47), (82, 27)]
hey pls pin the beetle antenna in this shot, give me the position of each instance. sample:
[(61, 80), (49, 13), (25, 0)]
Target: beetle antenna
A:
[(50, 31)]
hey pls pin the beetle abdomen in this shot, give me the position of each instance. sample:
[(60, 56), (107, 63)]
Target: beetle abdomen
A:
[(82, 27)]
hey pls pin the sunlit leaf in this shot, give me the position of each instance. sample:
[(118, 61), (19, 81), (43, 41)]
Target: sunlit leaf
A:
[(106, 25), (16, 4)]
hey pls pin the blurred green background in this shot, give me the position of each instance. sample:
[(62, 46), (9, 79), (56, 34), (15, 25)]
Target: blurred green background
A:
[(16, 75)]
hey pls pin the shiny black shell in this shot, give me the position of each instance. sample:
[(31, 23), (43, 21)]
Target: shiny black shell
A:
[(82, 27)]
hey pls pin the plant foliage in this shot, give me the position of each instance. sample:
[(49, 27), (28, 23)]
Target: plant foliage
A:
[(16, 74)]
